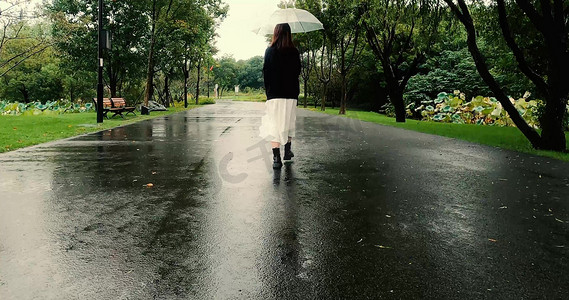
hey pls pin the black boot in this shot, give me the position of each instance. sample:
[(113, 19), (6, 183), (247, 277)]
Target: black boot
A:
[(288, 154), (277, 163)]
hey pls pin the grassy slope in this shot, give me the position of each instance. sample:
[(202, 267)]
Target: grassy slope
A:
[(503, 137), (22, 131)]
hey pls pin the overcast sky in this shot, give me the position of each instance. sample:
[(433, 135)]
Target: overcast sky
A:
[(235, 36)]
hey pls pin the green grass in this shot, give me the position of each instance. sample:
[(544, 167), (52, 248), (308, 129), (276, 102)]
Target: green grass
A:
[(252, 97), (23, 131), (503, 137)]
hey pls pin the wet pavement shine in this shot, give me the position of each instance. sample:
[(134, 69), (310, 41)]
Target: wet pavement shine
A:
[(363, 212)]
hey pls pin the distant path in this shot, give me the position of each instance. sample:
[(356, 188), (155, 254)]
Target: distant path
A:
[(365, 211)]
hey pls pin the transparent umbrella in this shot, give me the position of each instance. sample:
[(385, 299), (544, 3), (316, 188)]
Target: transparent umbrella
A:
[(299, 20)]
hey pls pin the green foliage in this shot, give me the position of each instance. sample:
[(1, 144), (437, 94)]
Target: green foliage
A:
[(75, 36), (451, 69), (250, 73), (248, 95), (202, 101), (206, 100), (453, 108), (49, 108), (28, 67), (225, 73)]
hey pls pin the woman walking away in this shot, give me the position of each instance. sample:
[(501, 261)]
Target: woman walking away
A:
[(280, 72)]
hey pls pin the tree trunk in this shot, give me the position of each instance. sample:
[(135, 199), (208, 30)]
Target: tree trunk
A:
[(343, 96), (325, 92), (25, 94), (198, 83), (305, 93), (186, 75), (553, 131), (150, 74), (315, 103), (166, 91), (150, 70), (113, 88), (112, 82), (119, 87), (396, 98)]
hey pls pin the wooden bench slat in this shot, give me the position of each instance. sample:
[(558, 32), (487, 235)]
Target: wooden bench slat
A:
[(120, 102), (115, 105)]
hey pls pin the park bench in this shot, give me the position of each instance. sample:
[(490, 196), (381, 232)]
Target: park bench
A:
[(120, 103), (108, 107)]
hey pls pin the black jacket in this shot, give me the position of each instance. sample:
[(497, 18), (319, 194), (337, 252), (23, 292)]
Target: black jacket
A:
[(280, 72)]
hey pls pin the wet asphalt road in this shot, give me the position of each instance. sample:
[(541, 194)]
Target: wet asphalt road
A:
[(364, 212)]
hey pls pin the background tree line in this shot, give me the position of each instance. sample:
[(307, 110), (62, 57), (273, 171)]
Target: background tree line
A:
[(248, 74), (159, 49)]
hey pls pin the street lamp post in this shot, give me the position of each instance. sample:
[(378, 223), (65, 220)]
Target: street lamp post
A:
[(100, 63)]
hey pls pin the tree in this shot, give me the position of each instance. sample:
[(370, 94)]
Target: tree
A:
[(400, 33), (15, 28), (548, 19), (307, 56), (167, 16), (75, 35), (325, 72), (307, 44), (345, 17), (250, 73), (225, 73), (29, 75)]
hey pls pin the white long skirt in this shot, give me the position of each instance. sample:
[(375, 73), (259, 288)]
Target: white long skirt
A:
[(279, 120)]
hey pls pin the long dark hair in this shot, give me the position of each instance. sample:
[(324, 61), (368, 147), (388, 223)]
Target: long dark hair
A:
[(282, 37)]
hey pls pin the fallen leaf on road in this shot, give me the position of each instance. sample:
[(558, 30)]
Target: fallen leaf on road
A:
[(153, 173), (149, 185), (493, 240)]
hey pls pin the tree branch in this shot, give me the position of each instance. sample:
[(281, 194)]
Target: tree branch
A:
[(518, 53), (484, 72), (23, 59), (535, 18)]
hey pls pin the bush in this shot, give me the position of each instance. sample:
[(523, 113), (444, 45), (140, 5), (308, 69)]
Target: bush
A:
[(202, 101), (37, 108), (453, 108), (206, 100)]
